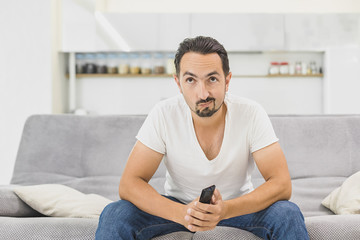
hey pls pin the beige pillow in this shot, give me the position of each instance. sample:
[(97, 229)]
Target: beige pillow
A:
[(57, 200), (345, 199)]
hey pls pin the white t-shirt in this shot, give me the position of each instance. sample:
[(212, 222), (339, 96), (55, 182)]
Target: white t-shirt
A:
[(169, 130)]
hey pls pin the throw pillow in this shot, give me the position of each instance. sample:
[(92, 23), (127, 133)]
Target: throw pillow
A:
[(57, 200), (346, 198)]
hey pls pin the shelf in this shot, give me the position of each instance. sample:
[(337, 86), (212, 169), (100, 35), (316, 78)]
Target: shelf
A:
[(170, 75), (120, 75), (280, 76)]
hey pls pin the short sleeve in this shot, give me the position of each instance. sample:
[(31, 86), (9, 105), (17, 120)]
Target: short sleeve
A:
[(152, 132), (262, 132)]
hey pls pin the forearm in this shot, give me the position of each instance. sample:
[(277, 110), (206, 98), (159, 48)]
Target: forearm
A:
[(259, 199), (146, 198)]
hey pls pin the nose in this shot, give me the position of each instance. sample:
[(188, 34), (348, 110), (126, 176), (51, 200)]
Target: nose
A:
[(203, 91)]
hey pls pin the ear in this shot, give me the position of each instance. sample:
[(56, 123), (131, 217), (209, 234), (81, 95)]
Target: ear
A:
[(227, 81), (177, 80)]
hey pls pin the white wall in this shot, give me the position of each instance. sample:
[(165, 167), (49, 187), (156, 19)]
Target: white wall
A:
[(25, 72), (231, 6), (27, 64)]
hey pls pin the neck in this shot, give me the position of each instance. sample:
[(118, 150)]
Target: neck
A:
[(215, 120)]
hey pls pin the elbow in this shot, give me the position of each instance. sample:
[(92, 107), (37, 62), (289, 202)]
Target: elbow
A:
[(287, 190), (123, 193)]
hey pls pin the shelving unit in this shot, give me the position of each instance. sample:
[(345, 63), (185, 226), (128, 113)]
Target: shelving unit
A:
[(249, 72), (169, 75)]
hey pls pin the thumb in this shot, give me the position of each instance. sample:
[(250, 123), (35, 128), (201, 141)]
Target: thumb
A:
[(216, 196)]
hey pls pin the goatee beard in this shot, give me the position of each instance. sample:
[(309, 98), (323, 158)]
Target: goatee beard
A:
[(207, 112)]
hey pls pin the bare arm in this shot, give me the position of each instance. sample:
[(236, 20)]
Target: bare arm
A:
[(273, 167), (141, 166)]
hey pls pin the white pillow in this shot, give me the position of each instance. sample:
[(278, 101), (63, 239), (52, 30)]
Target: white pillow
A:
[(345, 199), (57, 200)]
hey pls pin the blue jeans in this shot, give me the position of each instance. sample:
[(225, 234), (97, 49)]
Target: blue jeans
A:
[(123, 220)]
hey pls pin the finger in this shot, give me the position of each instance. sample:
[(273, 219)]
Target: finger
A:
[(194, 228), (197, 222), (202, 207), (201, 215)]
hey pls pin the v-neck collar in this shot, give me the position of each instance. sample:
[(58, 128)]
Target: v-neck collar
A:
[(196, 141)]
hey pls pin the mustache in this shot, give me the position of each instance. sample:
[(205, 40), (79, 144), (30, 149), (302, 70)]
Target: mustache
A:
[(205, 100)]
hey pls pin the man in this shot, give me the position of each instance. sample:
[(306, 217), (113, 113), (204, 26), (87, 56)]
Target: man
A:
[(204, 136)]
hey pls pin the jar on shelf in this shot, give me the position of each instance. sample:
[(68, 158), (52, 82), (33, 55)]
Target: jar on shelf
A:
[(170, 65), (146, 67), (284, 68), (112, 64), (159, 65), (124, 66), (80, 63), (134, 63), (101, 63), (298, 69), (90, 66), (314, 69), (291, 69), (274, 68)]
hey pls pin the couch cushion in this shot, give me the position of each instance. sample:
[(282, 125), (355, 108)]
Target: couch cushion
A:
[(47, 228), (12, 206), (334, 227), (345, 199), (57, 200)]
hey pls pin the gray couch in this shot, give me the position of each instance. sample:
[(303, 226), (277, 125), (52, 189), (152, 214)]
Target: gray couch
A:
[(89, 153)]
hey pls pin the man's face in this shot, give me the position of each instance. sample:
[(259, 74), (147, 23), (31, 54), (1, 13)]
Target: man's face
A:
[(202, 82)]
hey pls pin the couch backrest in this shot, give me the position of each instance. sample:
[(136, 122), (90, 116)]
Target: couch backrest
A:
[(321, 145), (89, 152)]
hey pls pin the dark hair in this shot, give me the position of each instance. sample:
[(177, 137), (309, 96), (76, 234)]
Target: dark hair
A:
[(203, 45)]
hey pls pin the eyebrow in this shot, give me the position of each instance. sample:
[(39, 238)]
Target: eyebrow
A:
[(207, 75)]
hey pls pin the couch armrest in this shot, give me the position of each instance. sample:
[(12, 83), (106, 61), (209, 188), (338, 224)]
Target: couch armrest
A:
[(12, 206)]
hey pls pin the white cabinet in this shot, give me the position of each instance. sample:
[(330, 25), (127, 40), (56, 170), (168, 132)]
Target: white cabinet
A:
[(173, 29), (342, 80), (137, 31), (241, 32), (318, 31), (141, 31)]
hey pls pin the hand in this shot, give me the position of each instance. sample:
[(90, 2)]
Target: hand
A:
[(202, 217)]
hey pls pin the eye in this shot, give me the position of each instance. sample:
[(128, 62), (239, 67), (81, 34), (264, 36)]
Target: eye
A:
[(189, 80), (213, 79)]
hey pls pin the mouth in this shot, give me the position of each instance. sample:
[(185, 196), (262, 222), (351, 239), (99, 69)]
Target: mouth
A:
[(206, 104)]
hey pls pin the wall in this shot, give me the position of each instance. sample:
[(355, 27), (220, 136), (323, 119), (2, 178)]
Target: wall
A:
[(227, 6), (29, 61), (25, 76)]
